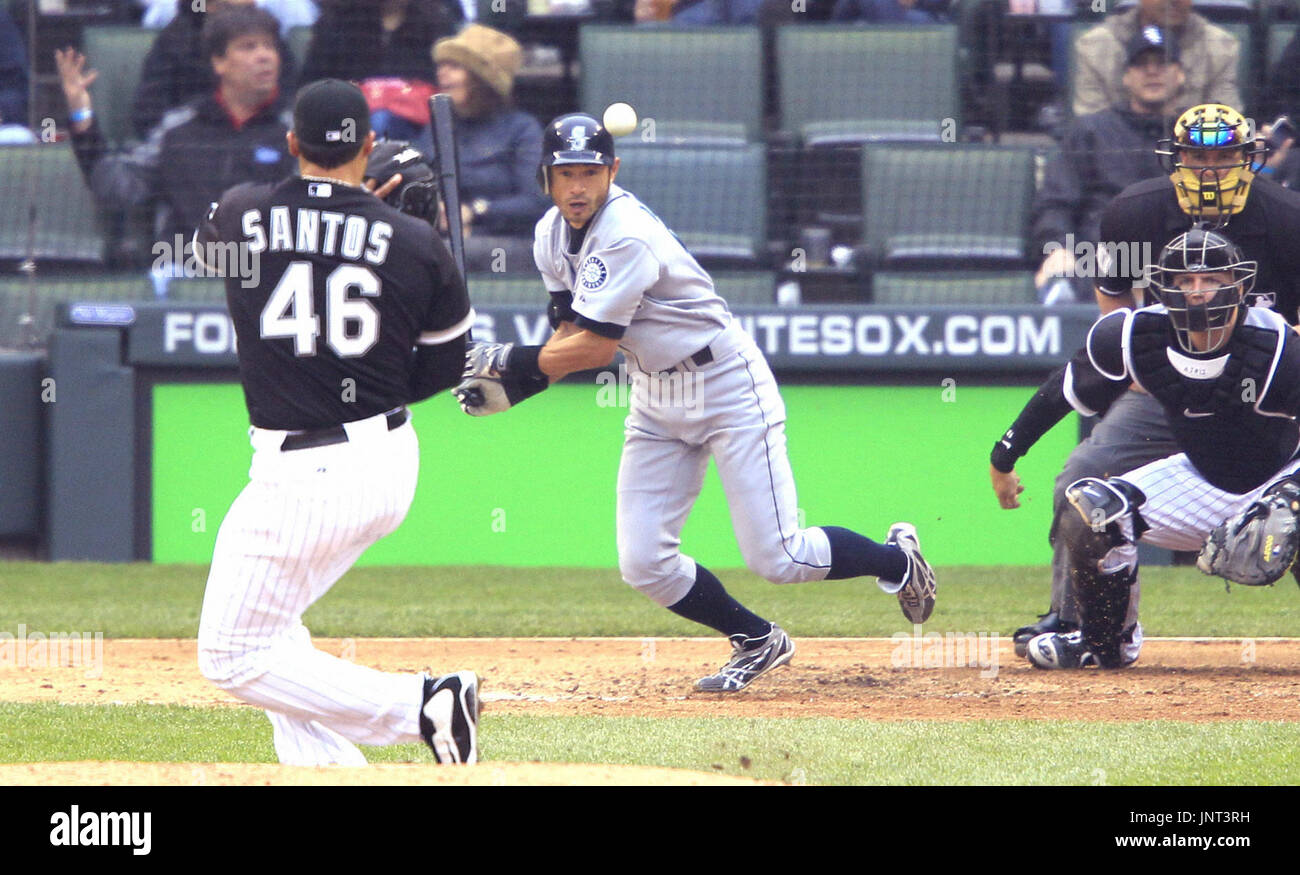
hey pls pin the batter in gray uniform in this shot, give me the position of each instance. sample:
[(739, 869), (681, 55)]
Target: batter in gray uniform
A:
[(620, 280)]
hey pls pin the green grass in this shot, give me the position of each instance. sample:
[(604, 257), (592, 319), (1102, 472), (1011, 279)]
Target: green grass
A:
[(801, 750), (150, 601)]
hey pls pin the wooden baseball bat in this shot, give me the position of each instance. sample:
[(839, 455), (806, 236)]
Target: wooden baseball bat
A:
[(444, 140)]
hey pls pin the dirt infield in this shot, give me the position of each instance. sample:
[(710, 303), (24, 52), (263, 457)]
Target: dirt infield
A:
[(934, 678), (879, 679)]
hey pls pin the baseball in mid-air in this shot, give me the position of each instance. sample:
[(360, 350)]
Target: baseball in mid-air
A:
[(619, 119)]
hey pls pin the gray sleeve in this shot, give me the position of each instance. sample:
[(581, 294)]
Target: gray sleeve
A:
[(612, 280)]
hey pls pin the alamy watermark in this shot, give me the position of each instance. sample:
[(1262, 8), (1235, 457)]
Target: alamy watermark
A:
[(1088, 260), (682, 389), (34, 649), (211, 258), (946, 650)]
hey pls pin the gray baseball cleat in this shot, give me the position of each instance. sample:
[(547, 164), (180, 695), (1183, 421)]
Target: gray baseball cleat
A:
[(751, 657), (449, 717), (917, 593)]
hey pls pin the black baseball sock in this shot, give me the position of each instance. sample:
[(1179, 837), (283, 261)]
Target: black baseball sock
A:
[(854, 555), (709, 605)]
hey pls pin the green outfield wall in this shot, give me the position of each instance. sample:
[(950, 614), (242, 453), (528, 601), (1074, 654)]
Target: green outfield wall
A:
[(535, 486)]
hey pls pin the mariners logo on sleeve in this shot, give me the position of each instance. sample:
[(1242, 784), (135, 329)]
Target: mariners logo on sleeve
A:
[(593, 273)]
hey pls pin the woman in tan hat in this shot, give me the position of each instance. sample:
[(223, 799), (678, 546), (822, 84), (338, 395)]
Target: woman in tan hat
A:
[(498, 146)]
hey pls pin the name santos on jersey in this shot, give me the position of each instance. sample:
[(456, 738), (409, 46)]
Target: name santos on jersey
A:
[(317, 232)]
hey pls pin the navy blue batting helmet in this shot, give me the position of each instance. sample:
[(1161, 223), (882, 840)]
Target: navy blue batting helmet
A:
[(574, 139)]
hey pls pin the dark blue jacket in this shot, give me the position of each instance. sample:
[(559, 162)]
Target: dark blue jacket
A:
[(498, 158), (13, 71)]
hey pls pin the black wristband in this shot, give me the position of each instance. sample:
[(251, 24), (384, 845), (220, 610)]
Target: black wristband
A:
[(560, 309), (1003, 458), (522, 363)]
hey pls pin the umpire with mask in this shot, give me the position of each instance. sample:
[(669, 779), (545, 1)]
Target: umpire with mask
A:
[(1212, 161)]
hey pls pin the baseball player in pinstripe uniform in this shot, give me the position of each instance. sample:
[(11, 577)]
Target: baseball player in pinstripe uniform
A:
[(359, 311), (1227, 377), (620, 280)]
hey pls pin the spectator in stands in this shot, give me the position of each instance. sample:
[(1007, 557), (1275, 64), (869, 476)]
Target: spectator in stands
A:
[(891, 11), (385, 46), (290, 13), (1281, 96), (705, 12), (1209, 56), (498, 146), (13, 82), (1101, 154), (175, 70), (235, 133)]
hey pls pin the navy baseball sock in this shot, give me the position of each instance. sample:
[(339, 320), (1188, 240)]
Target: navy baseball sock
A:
[(854, 555), (710, 605)]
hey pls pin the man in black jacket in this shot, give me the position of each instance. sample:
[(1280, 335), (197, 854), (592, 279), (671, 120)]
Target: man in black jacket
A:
[(234, 134), (176, 70), (1103, 153)]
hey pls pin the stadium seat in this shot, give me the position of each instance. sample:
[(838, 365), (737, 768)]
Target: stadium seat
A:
[(884, 83), (932, 206), (118, 54), (18, 300), (954, 287), (699, 86), (748, 287), (46, 178), (713, 198), (497, 288)]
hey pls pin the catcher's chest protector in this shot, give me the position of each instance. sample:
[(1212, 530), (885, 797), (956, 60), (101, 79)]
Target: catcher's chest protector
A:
[(1216, 418)]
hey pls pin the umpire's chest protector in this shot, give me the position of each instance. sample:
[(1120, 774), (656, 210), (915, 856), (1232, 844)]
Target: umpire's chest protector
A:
[(1228, 411)]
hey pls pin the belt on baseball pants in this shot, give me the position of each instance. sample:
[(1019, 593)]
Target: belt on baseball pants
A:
[(697, 359), (335, 434)]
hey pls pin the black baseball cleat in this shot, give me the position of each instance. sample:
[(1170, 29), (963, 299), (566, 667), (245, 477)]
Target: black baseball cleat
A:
[(917, 592), (449, 717), (1049, 622), (751, 657), (1060, 650)]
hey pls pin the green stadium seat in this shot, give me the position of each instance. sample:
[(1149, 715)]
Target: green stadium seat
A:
[(747, 287), (882, 83), (931, 206), (953, 287), (702, 85), (197, 290), (497, 288), (117, 53), (18, 300), (46, 177), (713, 198)]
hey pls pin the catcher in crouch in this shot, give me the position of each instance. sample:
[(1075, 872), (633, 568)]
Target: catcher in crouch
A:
[(1228, 379)]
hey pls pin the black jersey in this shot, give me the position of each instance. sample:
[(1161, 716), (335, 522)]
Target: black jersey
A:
[(343, 289), (1144, 217), (1231, 411)]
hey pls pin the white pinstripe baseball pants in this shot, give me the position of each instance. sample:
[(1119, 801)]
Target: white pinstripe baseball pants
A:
[(303, 519), (1181, 507)]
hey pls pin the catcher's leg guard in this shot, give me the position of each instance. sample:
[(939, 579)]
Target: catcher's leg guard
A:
[(1101, 527)]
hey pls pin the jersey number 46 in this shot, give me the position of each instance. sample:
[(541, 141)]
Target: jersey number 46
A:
[(351, 324)]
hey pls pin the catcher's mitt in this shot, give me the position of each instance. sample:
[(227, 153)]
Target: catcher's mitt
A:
[(417, 194), (1258, 545)]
